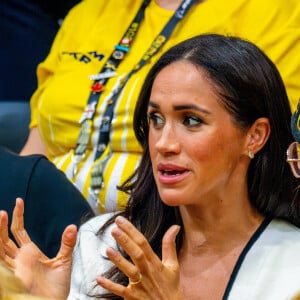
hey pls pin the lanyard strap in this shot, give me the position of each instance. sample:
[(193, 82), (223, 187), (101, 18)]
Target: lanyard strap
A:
[(104, 132), (100, 79), (155, 46)]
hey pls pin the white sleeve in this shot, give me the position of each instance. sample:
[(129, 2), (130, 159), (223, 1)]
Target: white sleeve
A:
[(90, 260)]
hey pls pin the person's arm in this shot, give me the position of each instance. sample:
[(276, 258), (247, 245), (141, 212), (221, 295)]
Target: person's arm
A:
[(34, 143), (40, 275), (47, 69), (45, 72)]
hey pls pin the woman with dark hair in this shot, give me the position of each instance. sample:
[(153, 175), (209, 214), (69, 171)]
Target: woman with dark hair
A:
[(81, 114), (213, 207)]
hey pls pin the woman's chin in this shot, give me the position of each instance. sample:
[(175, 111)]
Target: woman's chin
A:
[(172, 199)]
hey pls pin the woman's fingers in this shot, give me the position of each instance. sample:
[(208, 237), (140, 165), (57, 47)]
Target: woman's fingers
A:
[(3, 226), (129, 292), (9, 246), (142, 263), (149, 276), (115, 288), (169, 254), (9, 262), (138, 248), (8, 249), (123, 264), (17, 225), (135, 238), (6, 259), (68, 242)]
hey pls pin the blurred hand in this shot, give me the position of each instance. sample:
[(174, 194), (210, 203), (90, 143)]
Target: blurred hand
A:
[(40, 275)]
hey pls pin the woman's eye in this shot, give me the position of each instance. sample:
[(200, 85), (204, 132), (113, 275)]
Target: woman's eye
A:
[(155, 119), (192, 121)]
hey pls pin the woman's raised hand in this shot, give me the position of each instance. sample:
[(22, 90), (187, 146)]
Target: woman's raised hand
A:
[(40, 275), (149, 277)]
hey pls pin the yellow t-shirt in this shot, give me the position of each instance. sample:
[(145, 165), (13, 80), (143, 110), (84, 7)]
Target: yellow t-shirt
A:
[(87, 38)]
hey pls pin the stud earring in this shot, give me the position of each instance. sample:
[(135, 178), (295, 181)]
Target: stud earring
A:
[(250, 154)]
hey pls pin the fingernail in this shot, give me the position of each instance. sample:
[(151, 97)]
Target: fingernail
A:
[(111, 252), (177, 229), (100, 280), (117, 232), (120, 220)]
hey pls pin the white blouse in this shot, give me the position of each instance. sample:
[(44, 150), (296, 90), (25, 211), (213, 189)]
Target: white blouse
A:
[(267, 269)]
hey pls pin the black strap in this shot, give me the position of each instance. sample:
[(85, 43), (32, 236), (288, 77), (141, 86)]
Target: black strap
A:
[(118, 54), (104, 132)]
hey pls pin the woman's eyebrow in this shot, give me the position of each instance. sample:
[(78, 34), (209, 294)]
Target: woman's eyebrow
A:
[(190, 107), (182, 107), (152, 104)]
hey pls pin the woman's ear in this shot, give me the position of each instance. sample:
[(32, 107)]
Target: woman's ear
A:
[(258, 135)]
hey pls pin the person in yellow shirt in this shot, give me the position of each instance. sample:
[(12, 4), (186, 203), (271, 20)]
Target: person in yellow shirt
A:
[(99, 43)]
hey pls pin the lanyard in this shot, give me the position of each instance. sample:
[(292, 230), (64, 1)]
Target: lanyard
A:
[(152, 50), (118, 54), (101, 78)]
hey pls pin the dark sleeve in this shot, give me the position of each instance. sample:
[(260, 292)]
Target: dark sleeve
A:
[(57, 8), (52, 203)]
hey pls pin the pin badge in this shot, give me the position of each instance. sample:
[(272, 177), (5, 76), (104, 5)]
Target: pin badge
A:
[(97, 87), (122, 48), (110, 65), (103, 75), (118, 54), (126, 41)]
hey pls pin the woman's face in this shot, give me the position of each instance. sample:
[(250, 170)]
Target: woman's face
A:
[(195, 147)]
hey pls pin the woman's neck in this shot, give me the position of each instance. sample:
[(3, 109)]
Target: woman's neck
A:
[(218, 230)]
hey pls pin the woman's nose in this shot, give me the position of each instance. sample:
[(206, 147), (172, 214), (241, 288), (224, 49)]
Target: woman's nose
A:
[(168, 141)]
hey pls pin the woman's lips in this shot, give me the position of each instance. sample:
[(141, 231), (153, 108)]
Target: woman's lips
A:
[(171, 173)]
